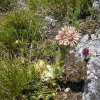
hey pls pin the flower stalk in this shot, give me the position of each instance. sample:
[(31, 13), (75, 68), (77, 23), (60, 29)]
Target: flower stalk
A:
[(63, 53)]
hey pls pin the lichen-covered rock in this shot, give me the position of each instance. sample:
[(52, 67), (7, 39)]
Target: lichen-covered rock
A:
[(92, 86), (92, 44), (96, 4)]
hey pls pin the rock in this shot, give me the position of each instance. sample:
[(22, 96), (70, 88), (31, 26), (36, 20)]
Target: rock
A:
[(96, 4), (50, 26), (92, 84), (92, 44), (21, 5), (85, 38), (50, 20)]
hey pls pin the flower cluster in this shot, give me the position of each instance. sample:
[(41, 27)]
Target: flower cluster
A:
[(85, 52), (67, 36)]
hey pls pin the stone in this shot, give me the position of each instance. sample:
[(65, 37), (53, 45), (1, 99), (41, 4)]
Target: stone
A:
[(92, 84), (96, 4), (21, 5), (92, 44)]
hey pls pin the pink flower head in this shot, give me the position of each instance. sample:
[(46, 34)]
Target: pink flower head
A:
[(85, 52), (67, 36)]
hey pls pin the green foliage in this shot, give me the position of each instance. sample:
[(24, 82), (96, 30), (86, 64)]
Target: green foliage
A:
[(14, 78), (6, 5), (42, 92), (44, 49), (33, 4), (18, 29), (22, 34), (21, 81), (49, 50), (69, 8)]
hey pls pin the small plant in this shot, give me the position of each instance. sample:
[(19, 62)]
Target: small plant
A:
[(66, 38)]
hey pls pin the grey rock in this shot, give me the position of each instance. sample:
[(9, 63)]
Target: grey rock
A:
[(93, 44), (84, 38), (21, 5), (96, 4), (50, 21), (92, 84)]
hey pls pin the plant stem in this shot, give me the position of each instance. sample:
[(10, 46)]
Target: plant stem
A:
[(63, 51)]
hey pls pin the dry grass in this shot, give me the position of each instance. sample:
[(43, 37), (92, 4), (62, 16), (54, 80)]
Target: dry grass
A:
[(75, 71)]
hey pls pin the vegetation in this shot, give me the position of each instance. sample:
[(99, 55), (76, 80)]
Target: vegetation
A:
[(33, 66), (6, 5), (71, 8)]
